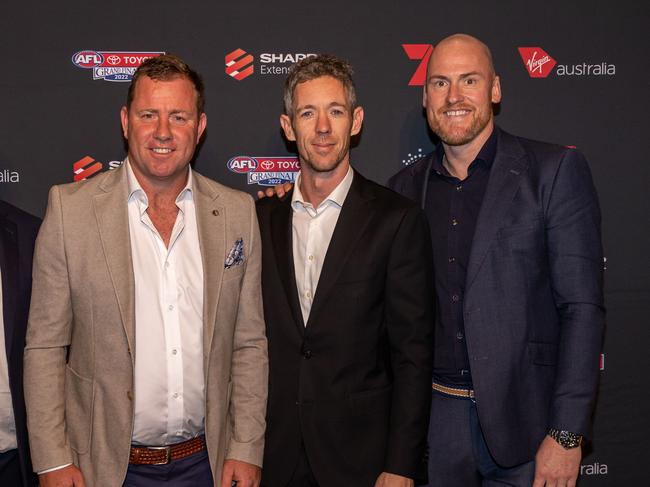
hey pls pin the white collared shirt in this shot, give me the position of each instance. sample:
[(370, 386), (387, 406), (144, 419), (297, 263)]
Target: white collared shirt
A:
[(312, 231), (7, 421), (169, 381)]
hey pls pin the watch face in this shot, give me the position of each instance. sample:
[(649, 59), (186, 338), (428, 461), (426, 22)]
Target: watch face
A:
[(566, 438)]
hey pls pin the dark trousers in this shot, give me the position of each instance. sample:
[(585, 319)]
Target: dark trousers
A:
[(458, 454), (192, 471), (10, 469)]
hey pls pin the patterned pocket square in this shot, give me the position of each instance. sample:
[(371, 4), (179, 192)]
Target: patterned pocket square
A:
[(235, 255)]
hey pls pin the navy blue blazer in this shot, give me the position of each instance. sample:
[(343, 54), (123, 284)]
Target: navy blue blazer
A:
[(18, 232), (533, 308)]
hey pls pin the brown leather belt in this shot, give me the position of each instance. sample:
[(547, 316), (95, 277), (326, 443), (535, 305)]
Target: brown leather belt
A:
[(162, 455), (453, 391)]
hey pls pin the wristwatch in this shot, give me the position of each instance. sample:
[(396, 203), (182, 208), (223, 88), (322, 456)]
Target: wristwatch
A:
[(566, 439)]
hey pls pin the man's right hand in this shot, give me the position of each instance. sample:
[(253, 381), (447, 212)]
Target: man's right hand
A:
[(278, 190), (69, 476)]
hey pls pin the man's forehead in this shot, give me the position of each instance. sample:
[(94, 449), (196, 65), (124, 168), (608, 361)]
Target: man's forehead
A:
[(459, 54)]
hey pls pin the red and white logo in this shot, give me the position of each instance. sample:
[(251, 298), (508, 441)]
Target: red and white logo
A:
[(537, 61), (112, 65), (85, 167), (420, 52), (239, 64)]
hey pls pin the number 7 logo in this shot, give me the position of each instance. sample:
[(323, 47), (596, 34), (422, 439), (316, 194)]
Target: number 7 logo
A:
[(422, 52)]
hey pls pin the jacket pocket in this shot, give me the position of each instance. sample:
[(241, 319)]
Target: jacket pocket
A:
[(78, 409), (543, 353), (372, 401)]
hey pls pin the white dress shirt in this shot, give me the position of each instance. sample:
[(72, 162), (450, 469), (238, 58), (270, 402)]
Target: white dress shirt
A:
[(312, 231), (169, 382), (7, 422)]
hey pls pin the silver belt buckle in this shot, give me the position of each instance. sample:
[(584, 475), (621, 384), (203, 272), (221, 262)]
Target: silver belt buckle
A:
[(168, 454)]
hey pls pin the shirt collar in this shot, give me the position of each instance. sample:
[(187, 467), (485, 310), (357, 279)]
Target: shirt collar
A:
[(136, 193), (485, 155), (337, 196)]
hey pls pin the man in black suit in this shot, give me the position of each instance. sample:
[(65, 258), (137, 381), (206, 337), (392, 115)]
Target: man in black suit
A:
[(17, 235), (347, 285), (515, 225)]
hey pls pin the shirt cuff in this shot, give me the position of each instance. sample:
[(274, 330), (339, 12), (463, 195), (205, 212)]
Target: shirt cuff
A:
[(53, 469)]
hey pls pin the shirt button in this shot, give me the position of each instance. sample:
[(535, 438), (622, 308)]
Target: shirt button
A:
[(455, 298), (175, 395), (460, 335), (170, 307), (452, 259), (307, 354), (308, 294), (174, 351), (454, 222), (311, 257), (459, 187)]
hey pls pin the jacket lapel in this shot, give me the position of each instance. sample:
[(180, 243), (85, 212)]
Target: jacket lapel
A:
[(111, 212), (9, 265), (281, 234), (211, 225), (350, 226), (509, 166)]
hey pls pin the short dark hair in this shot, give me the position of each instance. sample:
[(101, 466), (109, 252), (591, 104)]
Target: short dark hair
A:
[(166, 68), (313, 67)]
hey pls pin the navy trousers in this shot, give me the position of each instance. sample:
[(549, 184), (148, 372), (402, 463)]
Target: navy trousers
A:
[(458, 454), (191, 471)]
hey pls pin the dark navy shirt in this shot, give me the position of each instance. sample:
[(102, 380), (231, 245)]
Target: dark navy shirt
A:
[(452, 207)]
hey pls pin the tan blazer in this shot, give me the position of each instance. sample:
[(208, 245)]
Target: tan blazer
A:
[(80, 352)]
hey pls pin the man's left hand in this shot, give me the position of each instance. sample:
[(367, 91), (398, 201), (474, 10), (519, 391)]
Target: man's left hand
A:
[(386, 479), (556, 466), (244, 474)]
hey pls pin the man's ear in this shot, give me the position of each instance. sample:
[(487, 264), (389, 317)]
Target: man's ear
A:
[(357, 121), (124, 118), (285, 123), (496, 90)]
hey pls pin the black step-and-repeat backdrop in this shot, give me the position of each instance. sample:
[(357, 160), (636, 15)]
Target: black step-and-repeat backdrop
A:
[(574, 73)]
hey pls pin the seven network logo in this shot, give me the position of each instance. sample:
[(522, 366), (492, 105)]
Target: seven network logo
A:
[(87, 167), (422, 53), (239, 63), (112, 65), (540, 64)]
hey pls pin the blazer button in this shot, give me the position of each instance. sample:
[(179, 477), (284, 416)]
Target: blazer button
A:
[(307, 354)]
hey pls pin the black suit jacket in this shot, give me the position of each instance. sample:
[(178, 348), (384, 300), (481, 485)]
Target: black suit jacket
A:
[(354, 384), (533, 306), (17, 235)]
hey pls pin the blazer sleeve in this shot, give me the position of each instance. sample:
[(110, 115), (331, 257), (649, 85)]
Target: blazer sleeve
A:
[(48, 335), (409, 306), (572, 220), (249, 372)]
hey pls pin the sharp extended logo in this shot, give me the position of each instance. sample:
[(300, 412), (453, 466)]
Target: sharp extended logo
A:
[(239, 64), (540, 64), (87, 167), (421, 52), (112, 65)]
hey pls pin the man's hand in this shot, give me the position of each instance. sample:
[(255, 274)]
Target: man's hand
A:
[(555, 466), (386, 479), (69, 476), (278, 190), (244, 474)]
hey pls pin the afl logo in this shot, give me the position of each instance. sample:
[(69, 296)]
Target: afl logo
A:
[(87, 59), (242, 164)]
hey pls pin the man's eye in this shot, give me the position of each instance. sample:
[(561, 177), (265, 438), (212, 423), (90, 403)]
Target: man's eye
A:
[(179, 118), (337, 112), (470, 81), (306, 114), (146, 116), (439, 84)]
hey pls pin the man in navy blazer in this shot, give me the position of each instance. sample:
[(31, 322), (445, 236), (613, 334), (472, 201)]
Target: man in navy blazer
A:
[(17, 235), (517, 248)]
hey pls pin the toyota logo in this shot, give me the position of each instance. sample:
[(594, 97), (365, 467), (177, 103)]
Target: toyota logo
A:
[(113, 59), (267, 165)]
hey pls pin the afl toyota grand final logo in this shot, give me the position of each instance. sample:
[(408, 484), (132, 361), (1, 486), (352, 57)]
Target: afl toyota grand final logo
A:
[(112, 65), (266, 171)]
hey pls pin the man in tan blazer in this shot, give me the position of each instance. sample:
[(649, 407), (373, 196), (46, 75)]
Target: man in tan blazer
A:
[(145, 343)]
